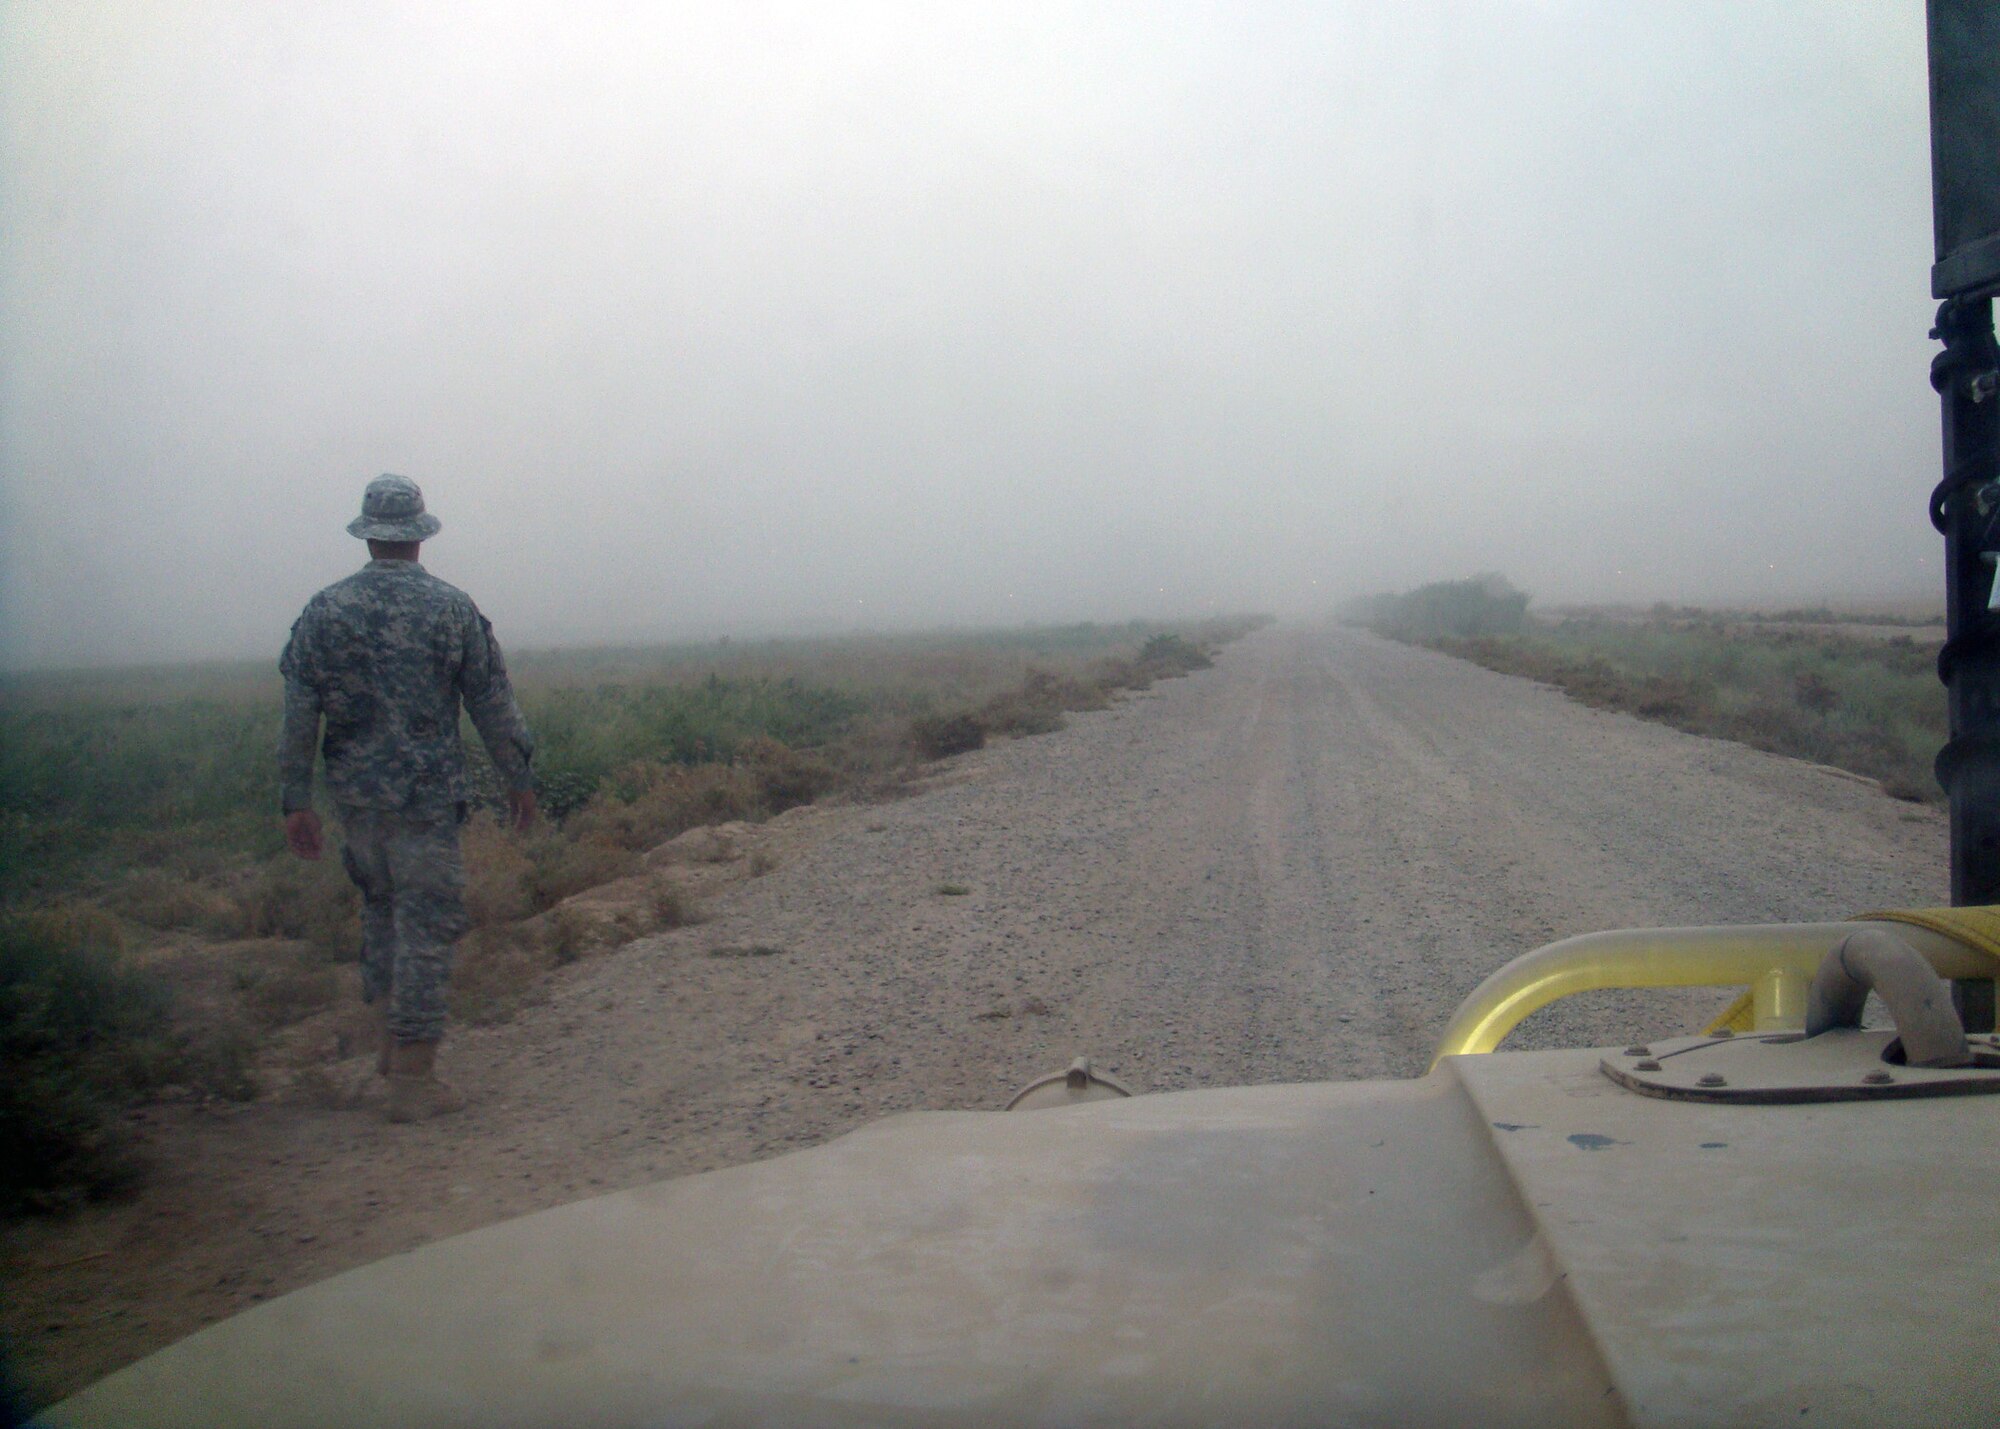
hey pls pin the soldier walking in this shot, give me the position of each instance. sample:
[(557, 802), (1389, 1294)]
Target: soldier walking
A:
[(385, 657)]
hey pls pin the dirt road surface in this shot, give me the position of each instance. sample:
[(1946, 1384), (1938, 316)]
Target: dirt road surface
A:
[(1290, 867)]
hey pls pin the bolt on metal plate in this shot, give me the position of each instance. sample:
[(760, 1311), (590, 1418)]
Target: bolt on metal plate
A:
[(1778, 1068)]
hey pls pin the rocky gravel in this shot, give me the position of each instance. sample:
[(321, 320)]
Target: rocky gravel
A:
[(1290, 867)]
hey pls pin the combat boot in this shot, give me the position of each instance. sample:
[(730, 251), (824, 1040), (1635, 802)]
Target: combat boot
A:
[(415, 1093)]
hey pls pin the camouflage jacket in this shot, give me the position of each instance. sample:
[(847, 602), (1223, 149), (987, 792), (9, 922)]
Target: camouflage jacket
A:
[(385, 656)]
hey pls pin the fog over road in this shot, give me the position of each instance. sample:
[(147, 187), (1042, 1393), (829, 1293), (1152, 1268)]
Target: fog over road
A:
[(1289, 867)]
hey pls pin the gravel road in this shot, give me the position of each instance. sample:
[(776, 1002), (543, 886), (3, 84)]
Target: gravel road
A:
[(1289, 867), (1293, 867)]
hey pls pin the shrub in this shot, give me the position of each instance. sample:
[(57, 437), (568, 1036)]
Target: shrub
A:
[(1670, 699), (1037, 706), (561, 867), (81, 1032), (167, 902), (284, 982), (1486, 605), (786, 777), (941, 736), (587, 735), (1020, 715), (1167, 655), (559, 794), (1810, 689), (569, 934), (1115, 672), (645, 803), (670, 905), (288, 898), (498, 871)]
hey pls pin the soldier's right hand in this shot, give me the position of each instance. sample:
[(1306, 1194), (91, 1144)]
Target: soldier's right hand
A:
[(302, 834)]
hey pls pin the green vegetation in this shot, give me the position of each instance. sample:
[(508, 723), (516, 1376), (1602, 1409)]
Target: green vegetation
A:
[(941, 736), (183, 783), (155, 932), (588, 734), (80, 782), (1485, 606), (81, 1032), (1866, 704), (1805, 615)]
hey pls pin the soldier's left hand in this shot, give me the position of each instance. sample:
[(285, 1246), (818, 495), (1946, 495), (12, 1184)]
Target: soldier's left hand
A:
[(521, 808)]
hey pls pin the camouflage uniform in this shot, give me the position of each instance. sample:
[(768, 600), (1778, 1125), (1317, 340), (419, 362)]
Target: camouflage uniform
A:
[(385, 657)]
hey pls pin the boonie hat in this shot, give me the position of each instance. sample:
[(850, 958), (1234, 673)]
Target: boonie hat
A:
[(392, 509)]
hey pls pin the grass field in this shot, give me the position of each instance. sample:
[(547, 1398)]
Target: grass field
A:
[(175, 767), (153, 932), (1794, 683)]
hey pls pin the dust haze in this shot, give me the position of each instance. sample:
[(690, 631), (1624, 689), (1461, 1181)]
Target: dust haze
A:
[(736, 319)]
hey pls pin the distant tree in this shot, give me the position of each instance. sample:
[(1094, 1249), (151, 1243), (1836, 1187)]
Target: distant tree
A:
[(1487, 604)]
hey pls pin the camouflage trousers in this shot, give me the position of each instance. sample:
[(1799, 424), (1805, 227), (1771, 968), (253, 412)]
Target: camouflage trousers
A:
[(412, 884)]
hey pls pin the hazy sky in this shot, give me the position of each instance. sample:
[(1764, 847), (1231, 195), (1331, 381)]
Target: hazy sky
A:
[(705, 318)]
